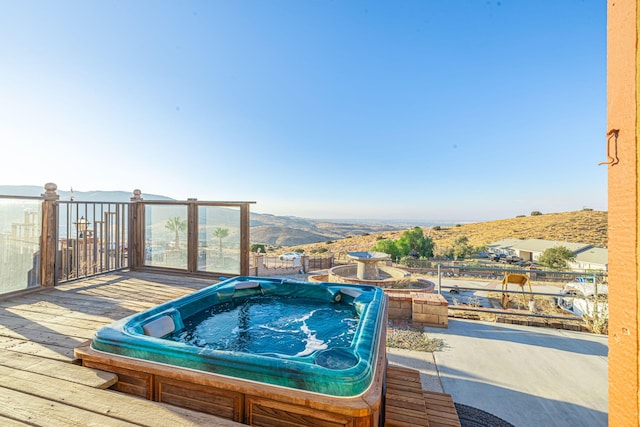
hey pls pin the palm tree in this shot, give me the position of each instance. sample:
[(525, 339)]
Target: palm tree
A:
[(177, 225), (221, 233)]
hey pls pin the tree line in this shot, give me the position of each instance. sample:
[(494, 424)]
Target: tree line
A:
[(413, 243)]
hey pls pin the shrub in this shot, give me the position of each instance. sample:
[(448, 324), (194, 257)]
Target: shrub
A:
[(412, 339), (556, 257), (256, 246), (536, 213)]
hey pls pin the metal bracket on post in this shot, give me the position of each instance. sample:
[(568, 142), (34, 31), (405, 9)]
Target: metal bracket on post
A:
[(612, 154)]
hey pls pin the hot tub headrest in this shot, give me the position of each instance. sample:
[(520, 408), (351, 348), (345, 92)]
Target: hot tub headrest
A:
[(249, 288), (248, 285), (353, 293), (163, 324), (337, 294)]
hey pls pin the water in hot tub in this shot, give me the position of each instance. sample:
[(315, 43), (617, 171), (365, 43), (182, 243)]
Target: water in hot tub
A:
[(280, 325)]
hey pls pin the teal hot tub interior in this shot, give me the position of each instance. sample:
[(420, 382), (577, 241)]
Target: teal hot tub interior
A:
[(317, 337)]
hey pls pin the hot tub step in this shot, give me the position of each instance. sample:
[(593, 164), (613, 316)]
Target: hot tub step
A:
[(407, 404), (441, 410), (56, 369), (404, 402)]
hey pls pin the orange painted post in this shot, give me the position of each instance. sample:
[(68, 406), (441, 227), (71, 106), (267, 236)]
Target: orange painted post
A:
[(621, 157)]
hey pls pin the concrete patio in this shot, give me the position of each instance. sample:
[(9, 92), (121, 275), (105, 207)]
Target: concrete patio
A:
[(525, 375)]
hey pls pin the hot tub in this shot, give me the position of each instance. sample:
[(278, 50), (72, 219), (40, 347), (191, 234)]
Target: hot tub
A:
[(318, 345)]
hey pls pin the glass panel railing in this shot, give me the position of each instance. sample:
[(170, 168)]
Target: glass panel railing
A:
[(20, 230), (166, 236), (219, 239)]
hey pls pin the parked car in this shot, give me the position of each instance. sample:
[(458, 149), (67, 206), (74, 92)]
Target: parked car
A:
[(511, 259), (290, 256), (494, 257)]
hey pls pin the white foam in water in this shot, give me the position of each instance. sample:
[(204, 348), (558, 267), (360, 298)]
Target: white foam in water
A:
[(272, 329), (313, 343)]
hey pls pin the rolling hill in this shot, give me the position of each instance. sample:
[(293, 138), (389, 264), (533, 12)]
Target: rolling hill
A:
[(289, 231), (586, 226)]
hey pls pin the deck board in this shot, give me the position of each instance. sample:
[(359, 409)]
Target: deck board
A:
[(40, 385), (408, 405), (441, 410), (93, 403), (10, 361)]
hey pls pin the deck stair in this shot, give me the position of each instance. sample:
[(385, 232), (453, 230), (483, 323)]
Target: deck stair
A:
[(408, 405), (440, 410)]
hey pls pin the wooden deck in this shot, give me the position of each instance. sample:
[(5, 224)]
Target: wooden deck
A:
[(41, 384)]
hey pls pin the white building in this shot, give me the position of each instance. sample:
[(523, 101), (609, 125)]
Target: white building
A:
[(588, 257)]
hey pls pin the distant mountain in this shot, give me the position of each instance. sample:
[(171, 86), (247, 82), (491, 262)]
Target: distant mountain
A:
[(288, 230), (265, 228), (80, 196), (400, 223)]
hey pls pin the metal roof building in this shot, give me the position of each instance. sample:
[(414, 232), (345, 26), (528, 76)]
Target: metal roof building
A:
[(588, 257)]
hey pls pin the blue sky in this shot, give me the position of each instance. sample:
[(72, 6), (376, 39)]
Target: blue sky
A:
[(425, 110)]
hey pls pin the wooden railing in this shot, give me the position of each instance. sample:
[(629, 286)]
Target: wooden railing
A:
[(75, 239)]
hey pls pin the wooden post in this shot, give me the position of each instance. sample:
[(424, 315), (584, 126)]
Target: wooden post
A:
[(258, 265), (244, 239), (136, 230), (49, 237), (192, 235)]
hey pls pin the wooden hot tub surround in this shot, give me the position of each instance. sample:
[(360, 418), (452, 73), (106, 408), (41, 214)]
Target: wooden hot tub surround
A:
[(240, 400)]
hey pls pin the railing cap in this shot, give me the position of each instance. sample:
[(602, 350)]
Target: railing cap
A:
[(137, 195), (50, 191)]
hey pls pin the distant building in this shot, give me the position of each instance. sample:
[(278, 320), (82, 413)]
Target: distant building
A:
[(588, 257), (593, 258)]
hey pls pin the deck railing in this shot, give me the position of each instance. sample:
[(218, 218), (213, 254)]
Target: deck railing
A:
[(92, 238), (20, 231), (45, 241), (198, 237)]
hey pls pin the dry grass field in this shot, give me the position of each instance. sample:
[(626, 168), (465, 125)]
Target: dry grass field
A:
[(585, 226)]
